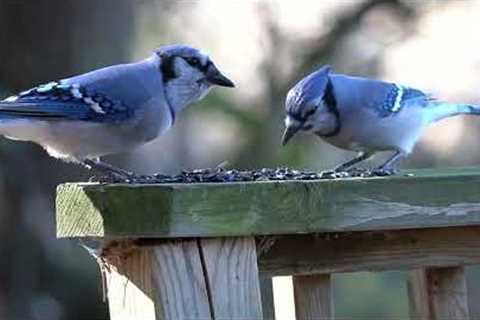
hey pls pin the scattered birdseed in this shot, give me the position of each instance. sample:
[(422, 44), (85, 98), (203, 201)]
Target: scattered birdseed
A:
[(221, 175)]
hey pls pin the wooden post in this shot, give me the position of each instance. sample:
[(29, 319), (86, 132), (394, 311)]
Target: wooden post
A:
[(186, 279), (313, 297), (266, 289), (232, 276), (418, 298), (438, 293)]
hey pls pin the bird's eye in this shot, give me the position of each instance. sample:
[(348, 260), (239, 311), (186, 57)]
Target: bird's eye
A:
[(192, 61)]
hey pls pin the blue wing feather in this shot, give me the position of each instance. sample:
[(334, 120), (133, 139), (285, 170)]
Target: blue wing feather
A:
[(399, 97), (66, 102), (44, 109)]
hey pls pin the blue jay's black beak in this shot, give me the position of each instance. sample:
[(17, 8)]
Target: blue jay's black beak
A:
[(289, 132), (214, 76)]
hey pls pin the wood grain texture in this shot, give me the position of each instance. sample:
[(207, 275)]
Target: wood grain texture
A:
[(372, 251), (438, 293), (179, 280), (266, 291), (430, 198), (129, 286), (165, 282), (313, 297), (418, 298), (232, 273)]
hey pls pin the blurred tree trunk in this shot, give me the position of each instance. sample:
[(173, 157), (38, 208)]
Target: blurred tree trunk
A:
[(50, 39), (44, 40)]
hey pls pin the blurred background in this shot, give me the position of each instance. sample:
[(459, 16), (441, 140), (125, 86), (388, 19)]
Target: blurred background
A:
[(265, 46)]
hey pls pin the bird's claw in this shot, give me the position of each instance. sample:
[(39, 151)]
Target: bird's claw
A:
[(335, 174), (115, 177), (384, 172)]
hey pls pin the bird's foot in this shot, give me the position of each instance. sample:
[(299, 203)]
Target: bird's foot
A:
[(384, 172), (348, 170), (112, 177), (109, 173), (332, 174), (340, 168)]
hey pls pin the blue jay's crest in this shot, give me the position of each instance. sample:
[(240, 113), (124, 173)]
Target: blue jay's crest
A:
[(398, 97), (55, 100), (307, 89), (178, 50)]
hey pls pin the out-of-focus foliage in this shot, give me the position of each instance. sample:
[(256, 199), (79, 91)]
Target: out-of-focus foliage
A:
[(265, 46)]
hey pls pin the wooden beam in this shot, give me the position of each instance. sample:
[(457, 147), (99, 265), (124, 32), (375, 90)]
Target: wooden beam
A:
[(313, 297), (372, 251), (438, 293), (268, 208)]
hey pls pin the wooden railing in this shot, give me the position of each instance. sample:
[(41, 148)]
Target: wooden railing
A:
[(208, 251)]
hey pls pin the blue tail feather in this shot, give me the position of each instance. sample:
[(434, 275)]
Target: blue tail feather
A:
[(438, 110)]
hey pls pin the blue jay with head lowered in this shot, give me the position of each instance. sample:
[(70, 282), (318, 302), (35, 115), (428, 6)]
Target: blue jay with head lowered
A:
[(113, 109), (364, 115)]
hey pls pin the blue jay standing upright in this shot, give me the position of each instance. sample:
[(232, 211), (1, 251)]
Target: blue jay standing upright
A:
[(113, 109), (364, 115)]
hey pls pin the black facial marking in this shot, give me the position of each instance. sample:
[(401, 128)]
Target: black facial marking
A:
[(331, 103), (167, 68), (194, 62), (296, 116), (302, 117), (329, 97)]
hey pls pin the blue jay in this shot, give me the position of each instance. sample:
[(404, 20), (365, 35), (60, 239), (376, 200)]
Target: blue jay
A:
[(364, 115), (110, 110)]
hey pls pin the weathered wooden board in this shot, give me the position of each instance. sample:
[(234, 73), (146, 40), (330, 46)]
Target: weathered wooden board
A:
[(438, 293), (266, 290), (129, 286), (179, 281), (185, 279), (232, 274), (372, 251), (418, 297), (429, 198), (313, 297), (158, 282)]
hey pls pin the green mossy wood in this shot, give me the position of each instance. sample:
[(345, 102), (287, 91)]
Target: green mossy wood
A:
[(427, 198)]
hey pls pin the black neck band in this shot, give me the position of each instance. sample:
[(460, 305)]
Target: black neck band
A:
[(331, 104), (167, 68)]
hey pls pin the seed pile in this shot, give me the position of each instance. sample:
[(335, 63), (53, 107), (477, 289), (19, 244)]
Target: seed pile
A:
[(225, 175)]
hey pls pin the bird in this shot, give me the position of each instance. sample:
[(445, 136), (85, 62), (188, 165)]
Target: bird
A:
[(113, 109), (364, 115)]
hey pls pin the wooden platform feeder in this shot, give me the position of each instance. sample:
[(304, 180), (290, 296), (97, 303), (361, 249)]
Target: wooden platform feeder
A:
[(208, 251)]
